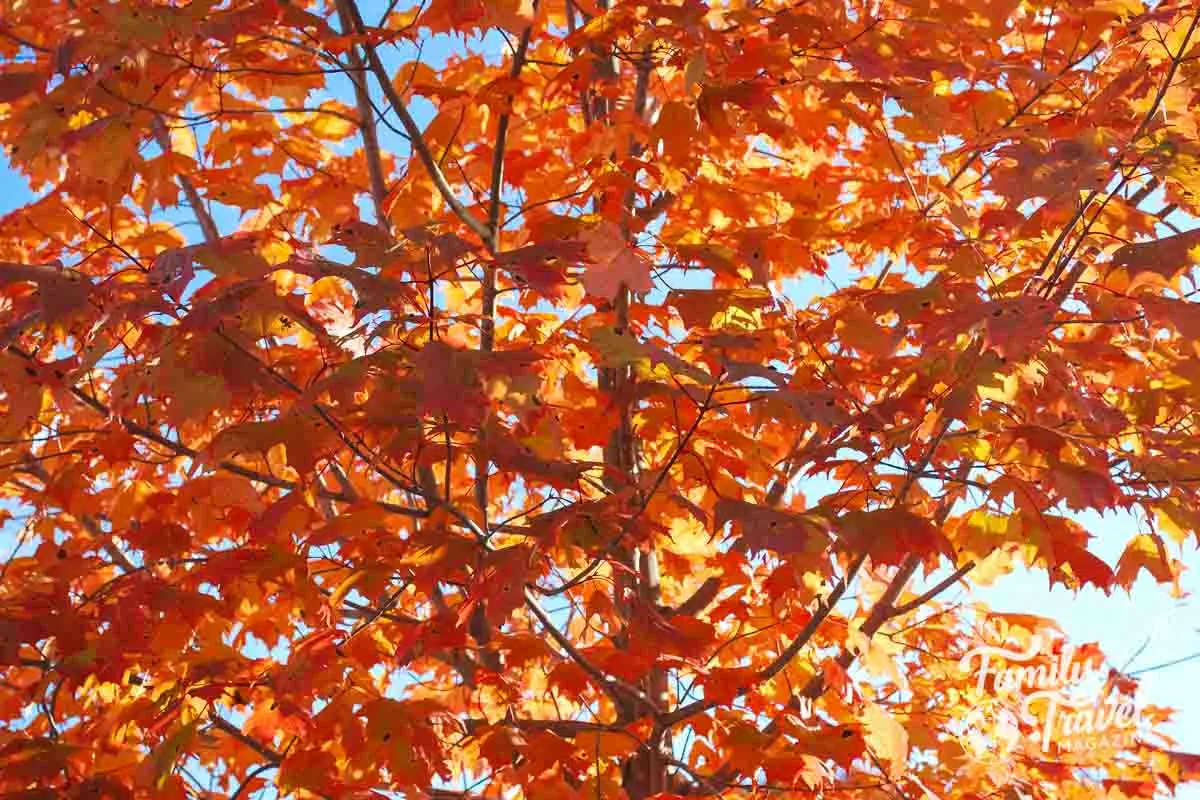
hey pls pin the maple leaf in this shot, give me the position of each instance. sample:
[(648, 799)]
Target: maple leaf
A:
[(1146, 551), (1188, 764), (821, 406), (1084, 488), (167, 753), (172, 271), (61, 291), (887, 738), (574, 76), (889, 535), (1160, 258), (1062, 543), (544, 266), (370, 244), (1014, 327), (500, 585), (698, 307), (372, 424), (617, 349), (764, 528), (615, 263), (331, 300), (748, 95), (511, 454), (15, 85), (676, 128), (452, 383)]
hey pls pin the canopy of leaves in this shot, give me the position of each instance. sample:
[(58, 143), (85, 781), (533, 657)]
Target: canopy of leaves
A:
[(428, 399)]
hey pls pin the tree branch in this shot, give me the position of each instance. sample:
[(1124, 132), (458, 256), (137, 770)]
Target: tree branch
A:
[(419, 145), (366, 125), (784, 658), (228, 727), (698, 601), (611, 545), (487, 319), (183, 451), (207, 224), (568, 728), (933, 592), (1115, 162), (614, 687)]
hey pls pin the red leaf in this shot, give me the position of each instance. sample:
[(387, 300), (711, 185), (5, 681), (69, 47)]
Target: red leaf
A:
[(172, 271), (764, 528), (543, 267), (500, 585), (1084, 489), (1063, 543), (616, 263), (890, 535), (15, 85), (451, 384)]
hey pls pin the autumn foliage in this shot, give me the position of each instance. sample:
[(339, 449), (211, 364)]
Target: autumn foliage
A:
[(573, 399)]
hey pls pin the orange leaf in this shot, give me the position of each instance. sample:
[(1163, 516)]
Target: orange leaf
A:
[(764, 528), (1146, 551), (1162, 259)]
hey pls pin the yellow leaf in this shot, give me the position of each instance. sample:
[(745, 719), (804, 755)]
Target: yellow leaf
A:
[(129, 502), (1122, 8), (887, 738), (881, 659), (339, 594), (1003, 392), (1168, 523), (423, 556), (511, 15), (688, 537), (994, 566), (331, 300), (604, 744), (1145, 551), (335, 123), (167, 754), (183, 141), (979, 449)]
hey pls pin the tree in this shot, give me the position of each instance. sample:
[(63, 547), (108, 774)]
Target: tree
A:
[(424, 401)]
